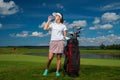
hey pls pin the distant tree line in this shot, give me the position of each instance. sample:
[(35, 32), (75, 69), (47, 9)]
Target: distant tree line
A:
[(113, 46)]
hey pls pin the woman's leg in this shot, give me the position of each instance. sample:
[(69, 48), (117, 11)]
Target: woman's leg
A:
[(58, 62), (50, 57)]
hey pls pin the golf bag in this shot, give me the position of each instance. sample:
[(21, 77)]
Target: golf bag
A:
[(72, 57)]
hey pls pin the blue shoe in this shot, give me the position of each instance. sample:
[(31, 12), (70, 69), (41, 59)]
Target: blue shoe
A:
[(45, 73), (57, 74)]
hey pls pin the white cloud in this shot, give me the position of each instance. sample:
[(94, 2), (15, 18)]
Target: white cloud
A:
[(1, 25), (22, 34), (52, 5), (106, 21), (107, 40), (111, 6), (42, 25), (79, 23), (28, 34), (110, 31), (49, 32), (40, 34), (106, 7), (94, 27), (59, 6), (110, 17), (8, 8), (105, 26), (96, 21), (37, 34)]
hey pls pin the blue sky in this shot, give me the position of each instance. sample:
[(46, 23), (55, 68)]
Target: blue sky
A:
[(21, 21)]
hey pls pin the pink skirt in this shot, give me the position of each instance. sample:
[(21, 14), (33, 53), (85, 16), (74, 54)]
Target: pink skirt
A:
[(56, 46)]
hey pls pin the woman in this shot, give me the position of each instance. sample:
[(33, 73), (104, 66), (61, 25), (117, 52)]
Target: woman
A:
[(58, 34)]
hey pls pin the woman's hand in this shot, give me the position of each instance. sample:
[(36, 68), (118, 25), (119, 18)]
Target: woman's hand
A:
[(50, 18)]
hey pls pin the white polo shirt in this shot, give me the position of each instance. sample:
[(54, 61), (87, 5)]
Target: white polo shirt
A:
[(57, 31)]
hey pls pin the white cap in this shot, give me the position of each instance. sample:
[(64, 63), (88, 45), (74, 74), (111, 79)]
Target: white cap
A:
[(56, 13)]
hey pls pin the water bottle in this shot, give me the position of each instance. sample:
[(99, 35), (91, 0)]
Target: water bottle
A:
[(51, 17)]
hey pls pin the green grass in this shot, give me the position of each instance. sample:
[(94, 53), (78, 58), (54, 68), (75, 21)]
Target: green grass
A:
[(43, 59), (24, 67), (27, 50), (107, 52), (21, 51)]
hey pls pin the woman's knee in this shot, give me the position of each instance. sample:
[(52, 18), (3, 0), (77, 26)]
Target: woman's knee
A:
[(59, 57), (50, 57)]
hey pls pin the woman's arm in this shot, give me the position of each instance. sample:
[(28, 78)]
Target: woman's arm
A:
[(46, 26), (65, 34)]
